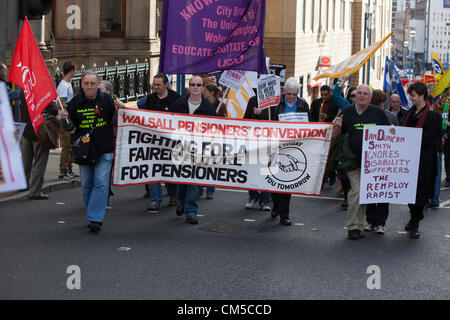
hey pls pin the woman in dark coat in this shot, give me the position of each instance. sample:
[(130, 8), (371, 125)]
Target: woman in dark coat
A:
[(421, 116)]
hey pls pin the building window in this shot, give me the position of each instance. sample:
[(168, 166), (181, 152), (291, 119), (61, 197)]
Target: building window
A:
[(112, 18), (342, 15), (333, 16), (301, 21), (159, 14)]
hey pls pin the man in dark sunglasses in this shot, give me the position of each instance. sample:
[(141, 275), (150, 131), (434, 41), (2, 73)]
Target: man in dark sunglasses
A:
[(194, 103)]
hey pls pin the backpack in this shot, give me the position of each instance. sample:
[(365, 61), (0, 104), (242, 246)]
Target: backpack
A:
[(341, 156), (48, 132)]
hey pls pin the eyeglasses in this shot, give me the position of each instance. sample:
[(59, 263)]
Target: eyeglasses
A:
[(291, 94), (196, 85)]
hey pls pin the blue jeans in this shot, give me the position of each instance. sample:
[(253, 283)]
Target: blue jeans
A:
[(437, 183), (262, 197), (187, 198), (210, 191), (95, 187), (156, 192)]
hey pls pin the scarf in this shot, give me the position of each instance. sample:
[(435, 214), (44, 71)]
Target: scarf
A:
[(422, 118)]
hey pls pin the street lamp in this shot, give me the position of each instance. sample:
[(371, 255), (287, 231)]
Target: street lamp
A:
[(412, 33), (405, 54)]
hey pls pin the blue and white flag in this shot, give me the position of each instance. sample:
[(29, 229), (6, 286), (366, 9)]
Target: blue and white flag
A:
[(392, 82)]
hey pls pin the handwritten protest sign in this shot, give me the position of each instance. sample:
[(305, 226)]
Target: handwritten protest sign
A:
[(232, 79), (390, 162), (239, 154), (209, 35), (20, 127), (12, 176), (268, 91)]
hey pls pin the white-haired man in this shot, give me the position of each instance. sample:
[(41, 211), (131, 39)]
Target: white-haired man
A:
[(290, 102), (352, 123)]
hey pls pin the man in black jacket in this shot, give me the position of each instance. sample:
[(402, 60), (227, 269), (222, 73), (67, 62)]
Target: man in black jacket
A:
[(160, 100), (90, 116), (196, 104), (324, 109), (396, 108), (34, 156), (352, 122)]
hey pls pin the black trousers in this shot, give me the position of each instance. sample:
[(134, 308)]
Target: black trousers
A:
[(377, 213), (416, 214), (342, 175), (281, 203)]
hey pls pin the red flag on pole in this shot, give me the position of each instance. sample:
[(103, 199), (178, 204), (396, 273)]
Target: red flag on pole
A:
[(29, 72)]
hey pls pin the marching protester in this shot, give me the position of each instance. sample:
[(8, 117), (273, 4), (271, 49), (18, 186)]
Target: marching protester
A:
[(338, 97), (211, 92), (160, 100), (396, 108), (323, 109), (352, 123), (34, 155), (290, 102), (377, 213), (90, 116), (443, 105), (440, 106), (342, 103), (379, 99), (258, 198), (106, 87), (421, 115), (65, 93), (14, 95), (194, 103)]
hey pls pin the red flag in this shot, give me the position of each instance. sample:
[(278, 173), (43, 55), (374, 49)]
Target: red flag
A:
[(28, 71)]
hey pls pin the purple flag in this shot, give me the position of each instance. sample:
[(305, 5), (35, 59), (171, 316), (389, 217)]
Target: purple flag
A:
[(209, 35)]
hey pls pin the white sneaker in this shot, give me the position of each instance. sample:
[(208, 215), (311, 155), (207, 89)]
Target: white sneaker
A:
[(250, 203), (369, 227), (265, 207), (380, 230)]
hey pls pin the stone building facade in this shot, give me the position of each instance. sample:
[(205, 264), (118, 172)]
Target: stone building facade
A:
[(297, 33), (94, 32)]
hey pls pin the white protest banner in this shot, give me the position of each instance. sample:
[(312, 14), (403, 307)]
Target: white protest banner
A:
[(232, 79), (390, 162), (294, 117), (232, 153), (12, 176), (268, 91)]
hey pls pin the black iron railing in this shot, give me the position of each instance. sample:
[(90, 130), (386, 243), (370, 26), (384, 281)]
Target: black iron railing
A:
[(130, 81)]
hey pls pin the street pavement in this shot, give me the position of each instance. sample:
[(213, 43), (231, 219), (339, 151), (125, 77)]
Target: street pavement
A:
[(233, 253)]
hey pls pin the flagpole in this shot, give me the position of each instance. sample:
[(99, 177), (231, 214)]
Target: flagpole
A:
[(225, 96)]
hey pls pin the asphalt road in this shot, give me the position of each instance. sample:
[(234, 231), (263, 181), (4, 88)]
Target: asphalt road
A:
[(233, 253)]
